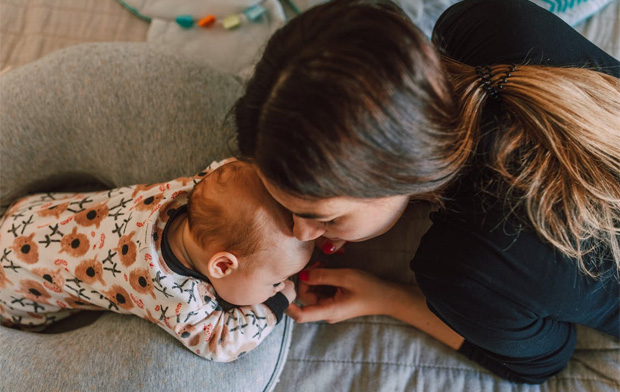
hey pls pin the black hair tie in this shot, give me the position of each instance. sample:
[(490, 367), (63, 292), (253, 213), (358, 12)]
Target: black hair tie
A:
[(486, 76)]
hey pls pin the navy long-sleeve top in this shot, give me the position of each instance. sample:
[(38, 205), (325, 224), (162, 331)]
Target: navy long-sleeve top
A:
[(512, 296)]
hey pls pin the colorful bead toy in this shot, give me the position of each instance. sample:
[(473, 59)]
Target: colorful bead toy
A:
[(206, 21), (185, 21), (231, 22), (252, 14)]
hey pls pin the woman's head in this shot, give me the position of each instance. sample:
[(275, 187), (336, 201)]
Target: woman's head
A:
[(351, 109), (350, 100)]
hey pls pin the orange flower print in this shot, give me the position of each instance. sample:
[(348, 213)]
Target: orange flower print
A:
[(26, 249), (34, 291), (78, 303), (188, 334), (75, 244), (92, 216), (127, 249), (54, 211), (142, 187), (119, 296), (149, 203), (140, 280), (222, 331), (52, 280), (90, 271)]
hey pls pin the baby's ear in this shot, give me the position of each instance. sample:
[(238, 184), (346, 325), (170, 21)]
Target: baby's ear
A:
[(222, 264)]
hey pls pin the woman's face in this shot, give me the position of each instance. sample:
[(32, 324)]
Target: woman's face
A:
[(340, 218)]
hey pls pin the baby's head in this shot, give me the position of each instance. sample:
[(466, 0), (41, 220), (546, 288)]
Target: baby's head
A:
[(240, 237)]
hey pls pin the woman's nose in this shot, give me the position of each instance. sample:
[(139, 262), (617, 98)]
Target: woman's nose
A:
[(307, 229)]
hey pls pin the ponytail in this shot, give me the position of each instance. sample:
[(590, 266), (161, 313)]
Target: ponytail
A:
[(557, 152)]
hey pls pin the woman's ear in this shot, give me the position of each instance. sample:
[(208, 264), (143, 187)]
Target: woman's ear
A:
[(222, 264)]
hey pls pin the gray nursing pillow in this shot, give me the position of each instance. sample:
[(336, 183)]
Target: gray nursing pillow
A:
[(104, 115)]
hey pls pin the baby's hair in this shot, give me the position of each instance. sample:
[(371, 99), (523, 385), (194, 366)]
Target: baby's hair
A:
[(212, 223)]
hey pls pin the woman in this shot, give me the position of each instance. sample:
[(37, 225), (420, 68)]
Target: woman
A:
[(509, 121)]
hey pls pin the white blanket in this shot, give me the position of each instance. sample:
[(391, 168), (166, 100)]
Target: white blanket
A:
[(236, 50), (227, 50)]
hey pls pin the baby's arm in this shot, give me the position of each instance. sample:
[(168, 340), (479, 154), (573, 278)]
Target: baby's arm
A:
[(224, 335)]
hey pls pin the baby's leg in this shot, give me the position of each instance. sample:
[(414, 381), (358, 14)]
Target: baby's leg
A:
[(30, 321), (27, 303), (28, 315)]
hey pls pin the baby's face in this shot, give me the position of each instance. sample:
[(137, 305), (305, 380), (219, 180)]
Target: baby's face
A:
[(281, 255), (264, 274)]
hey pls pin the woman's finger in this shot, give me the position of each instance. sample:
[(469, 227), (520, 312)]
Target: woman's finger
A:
[(311, 313), (305, 294), (325, 276)]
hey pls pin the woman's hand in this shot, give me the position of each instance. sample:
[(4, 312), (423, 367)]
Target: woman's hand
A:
[(357, 293), (354, 293)]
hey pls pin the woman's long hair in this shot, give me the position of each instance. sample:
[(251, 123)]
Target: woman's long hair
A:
[(351, 99), (556, 151)]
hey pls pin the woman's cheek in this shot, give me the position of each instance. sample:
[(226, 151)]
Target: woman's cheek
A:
[(363, 232), (346, 233)]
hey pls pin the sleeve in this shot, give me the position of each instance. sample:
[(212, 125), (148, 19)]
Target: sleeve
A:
[(487, 300), (479, 32), (521, 370), (505, 338), (225, 333), (277, 304)]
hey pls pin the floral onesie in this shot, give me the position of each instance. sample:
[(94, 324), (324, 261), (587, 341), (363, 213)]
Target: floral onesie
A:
[(63, 252)]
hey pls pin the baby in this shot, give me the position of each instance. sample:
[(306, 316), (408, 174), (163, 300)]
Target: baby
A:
[(206, 258)]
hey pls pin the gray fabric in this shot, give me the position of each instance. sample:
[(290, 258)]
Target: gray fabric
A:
[(117, 114), (380, 354), (120, 353)]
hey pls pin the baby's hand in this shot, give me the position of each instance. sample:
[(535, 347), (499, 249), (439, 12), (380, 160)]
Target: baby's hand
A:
[(289, 291)]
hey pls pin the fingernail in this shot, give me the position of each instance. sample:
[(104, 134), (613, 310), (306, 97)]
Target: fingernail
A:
[(303, 276), (328, 247)]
